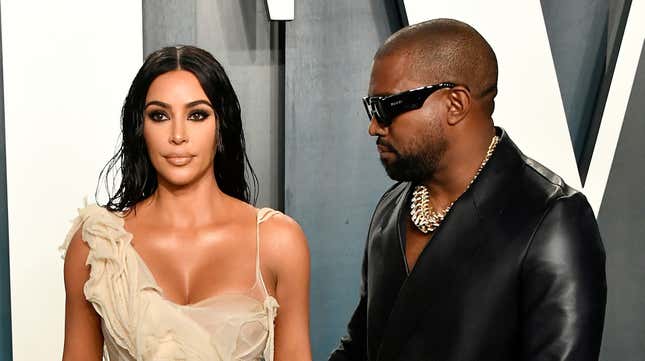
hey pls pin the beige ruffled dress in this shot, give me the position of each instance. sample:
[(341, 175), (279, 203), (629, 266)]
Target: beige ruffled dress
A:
[(138, 323)]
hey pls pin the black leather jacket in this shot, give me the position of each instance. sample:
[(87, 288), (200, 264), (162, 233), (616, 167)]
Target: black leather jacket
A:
[(515, 272)]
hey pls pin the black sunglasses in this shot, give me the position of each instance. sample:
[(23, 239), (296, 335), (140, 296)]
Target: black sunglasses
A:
[(385, 108)]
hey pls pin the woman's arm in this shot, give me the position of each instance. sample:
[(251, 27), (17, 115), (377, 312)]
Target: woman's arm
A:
[(83, 337), (287, 257)]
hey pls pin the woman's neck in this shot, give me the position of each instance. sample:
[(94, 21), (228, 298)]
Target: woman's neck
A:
[(191, 205)]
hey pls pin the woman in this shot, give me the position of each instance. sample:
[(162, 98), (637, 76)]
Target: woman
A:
[(177, 265)]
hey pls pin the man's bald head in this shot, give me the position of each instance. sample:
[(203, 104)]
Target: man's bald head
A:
[(447, 50)]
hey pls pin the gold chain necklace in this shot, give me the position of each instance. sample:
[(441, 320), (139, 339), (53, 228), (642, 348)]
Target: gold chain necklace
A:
[(423, 215)]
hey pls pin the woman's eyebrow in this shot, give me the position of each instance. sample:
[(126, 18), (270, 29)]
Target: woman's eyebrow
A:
[(158, 103), (198, 102), (188, 105)]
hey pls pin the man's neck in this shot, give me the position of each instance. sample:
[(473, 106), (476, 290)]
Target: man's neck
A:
[(458, 169)]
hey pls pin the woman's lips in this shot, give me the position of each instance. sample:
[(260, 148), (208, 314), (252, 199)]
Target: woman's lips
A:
[(179, 159)]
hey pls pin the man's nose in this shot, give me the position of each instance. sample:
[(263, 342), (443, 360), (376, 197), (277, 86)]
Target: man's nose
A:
[(376, 129)]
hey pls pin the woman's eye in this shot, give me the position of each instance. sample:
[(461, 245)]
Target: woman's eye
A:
[(157, 116), (198, 115)]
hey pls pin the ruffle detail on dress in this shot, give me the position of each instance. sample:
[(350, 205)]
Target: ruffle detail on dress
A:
[(112, 286)]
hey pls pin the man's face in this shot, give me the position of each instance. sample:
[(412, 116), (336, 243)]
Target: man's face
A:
[(412, 147)]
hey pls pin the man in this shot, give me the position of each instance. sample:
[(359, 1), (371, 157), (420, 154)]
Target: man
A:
[(479, 252)]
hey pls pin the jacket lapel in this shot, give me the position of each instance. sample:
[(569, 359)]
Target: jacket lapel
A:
[(386, 271), (425, 294)]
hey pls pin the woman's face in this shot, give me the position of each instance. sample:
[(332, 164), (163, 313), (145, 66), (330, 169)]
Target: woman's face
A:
[(179, 128)]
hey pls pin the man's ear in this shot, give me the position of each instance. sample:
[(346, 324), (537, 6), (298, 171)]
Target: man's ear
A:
[(459, 104)]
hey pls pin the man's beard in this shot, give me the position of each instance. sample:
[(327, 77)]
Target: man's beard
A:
[(416, 167)]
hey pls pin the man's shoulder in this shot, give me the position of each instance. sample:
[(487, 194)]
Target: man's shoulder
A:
[(533, 178), (541, 195), (545, 181), (560, 197), (530, 187)]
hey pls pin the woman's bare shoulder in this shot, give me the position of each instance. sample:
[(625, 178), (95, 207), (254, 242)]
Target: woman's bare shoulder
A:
[(282, 237), (277, 223), (76, 272)]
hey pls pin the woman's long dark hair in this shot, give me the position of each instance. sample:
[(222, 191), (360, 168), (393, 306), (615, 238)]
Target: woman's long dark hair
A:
[(138, 176)]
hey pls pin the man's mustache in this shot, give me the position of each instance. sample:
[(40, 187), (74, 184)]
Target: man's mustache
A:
[(381, 142)]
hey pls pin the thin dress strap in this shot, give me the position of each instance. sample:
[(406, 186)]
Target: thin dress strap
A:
[(262, 215), (270, 303)]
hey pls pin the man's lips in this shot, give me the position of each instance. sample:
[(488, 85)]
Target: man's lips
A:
[(384, 149)]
